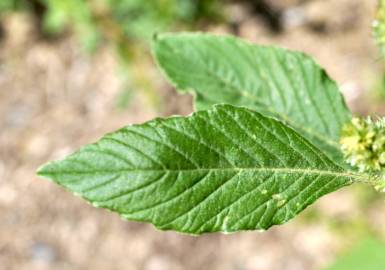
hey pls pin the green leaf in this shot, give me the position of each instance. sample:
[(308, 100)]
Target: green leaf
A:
[(276, 82), (225, 169)]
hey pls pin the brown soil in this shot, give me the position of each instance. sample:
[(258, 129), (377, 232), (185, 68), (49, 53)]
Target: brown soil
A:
[(54, 98)]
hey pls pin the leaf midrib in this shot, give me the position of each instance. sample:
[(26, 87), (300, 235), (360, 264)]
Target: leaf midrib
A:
[(276, 170)]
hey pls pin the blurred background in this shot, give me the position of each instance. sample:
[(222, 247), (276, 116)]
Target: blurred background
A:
[(72, 70)]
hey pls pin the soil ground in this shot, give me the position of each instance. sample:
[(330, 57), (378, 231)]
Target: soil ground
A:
[(54, 98)]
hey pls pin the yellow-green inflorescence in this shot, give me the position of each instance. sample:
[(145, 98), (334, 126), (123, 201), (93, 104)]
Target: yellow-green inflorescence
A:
[(363, 144)]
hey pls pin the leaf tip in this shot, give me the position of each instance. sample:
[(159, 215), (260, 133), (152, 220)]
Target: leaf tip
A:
[(44, 171), (157, 37), (40, 171)]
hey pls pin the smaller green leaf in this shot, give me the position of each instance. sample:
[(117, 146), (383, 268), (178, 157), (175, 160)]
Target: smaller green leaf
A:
[(225, 169), (285, 84)]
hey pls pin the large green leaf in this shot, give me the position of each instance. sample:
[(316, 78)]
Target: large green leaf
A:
[(225, 169), (285, 84)]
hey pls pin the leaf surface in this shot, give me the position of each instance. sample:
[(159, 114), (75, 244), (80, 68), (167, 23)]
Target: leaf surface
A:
[(277, 82), (225, 169)]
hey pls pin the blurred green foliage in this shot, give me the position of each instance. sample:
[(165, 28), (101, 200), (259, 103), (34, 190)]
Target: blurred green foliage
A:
[(125, 25), (368, 254), (378, 85), (75, 14), (137, 18), (140, 19), (379, 26), (124, 20), (11, 5)]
